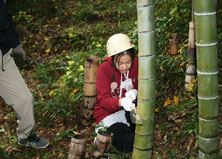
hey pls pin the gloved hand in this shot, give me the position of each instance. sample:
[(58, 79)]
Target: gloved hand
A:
[(132, 94), (18, 53), (126, 103)]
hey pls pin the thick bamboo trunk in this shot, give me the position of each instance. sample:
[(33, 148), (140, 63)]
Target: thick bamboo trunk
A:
[(143, 144), (207, 71), (90, 94)]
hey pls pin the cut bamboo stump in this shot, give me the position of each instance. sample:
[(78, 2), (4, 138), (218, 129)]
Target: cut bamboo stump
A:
[(191, 44), (173, 46), (90, 94), (190, 75), (77, 147), (191, 68), (102, 143)]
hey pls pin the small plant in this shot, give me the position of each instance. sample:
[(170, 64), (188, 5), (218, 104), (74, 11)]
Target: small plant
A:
[(101, 128)]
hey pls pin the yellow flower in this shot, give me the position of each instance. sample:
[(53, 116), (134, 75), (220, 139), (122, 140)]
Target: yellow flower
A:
[(176, 100), (46, 38), (182, 64), (68, 72), (68, 57), (71, 35), (157, 110), (180, 51), (48, 50), (167, 102), (74, 91), (52, 93), (190, 87), (70, 62), (81, 68), (98, 45)]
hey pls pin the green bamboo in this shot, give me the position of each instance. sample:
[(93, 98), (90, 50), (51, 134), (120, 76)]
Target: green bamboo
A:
[(143, 144), (207, 73)]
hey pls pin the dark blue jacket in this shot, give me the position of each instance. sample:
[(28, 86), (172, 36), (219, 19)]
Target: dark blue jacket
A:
[(8, 35)]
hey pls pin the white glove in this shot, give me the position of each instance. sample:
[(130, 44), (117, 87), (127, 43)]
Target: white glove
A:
[(126, 103), (132, 94)]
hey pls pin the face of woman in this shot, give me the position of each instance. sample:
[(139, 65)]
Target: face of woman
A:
[(123, 64)]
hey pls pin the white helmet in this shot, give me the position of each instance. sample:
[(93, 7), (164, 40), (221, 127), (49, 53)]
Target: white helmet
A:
[(118, 43)]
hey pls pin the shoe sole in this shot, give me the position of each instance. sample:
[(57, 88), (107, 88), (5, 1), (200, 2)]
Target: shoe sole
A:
[(34, 146)]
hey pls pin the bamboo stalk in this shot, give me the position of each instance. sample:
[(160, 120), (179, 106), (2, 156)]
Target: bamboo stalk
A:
[(191, 69), (143, 143), (207, 71)]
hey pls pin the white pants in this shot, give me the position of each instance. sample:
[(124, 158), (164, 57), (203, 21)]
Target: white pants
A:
[(15, 93), (117, 117)]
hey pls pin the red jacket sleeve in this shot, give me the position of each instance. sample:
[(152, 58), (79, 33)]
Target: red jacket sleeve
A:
[(104, 79)]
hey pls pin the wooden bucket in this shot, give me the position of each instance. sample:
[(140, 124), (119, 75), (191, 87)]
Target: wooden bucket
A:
[(173, 46), (89, 93), (103, 141), (78, 147)]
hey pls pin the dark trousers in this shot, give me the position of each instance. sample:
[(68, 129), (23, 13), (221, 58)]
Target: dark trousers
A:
[(123, 135)]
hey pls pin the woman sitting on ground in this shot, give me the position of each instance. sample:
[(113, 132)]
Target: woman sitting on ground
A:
[(117, 84)]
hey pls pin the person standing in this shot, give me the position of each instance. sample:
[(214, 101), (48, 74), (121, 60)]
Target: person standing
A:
[(13, 88)]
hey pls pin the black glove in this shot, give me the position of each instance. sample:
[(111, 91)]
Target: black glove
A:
[(18, 53)]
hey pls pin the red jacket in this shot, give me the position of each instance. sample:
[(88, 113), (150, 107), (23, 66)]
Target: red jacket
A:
[(107, 91)]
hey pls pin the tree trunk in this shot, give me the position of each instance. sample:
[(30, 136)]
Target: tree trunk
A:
[(143, 144), (207, 73)]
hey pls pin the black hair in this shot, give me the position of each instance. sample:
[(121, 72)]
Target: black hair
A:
[(129, 52)]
